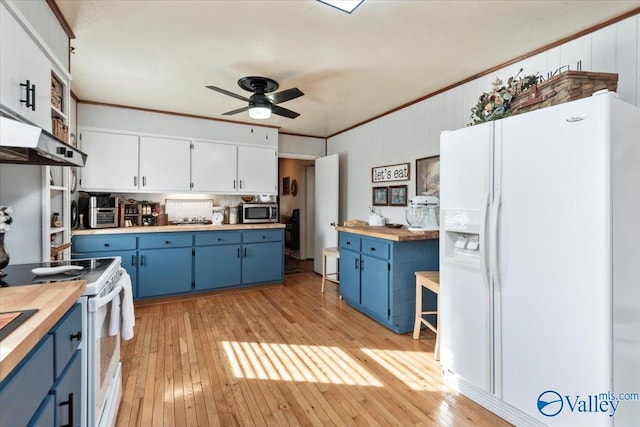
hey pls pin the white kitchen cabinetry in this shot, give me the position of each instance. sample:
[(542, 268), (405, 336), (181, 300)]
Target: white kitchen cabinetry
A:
[(112, 161), (213, 167), (257, 170), (25, 79), (164, 164), (121, 162)]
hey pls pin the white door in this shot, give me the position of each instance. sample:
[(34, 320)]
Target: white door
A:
[(165, 164), (327, 193), (213, 167), (112, 161), (257, 170)]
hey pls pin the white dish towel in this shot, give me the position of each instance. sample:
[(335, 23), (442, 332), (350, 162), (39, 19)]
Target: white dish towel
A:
[(128, 315)]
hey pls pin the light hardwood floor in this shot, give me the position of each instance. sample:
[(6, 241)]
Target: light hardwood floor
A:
[(282, 355)]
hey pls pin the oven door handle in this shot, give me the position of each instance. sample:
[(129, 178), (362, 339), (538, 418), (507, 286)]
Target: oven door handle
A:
[(100, 302)]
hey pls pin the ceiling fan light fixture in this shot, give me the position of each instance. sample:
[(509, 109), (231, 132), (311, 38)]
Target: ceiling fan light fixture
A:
[(259, 113), (343, 5)]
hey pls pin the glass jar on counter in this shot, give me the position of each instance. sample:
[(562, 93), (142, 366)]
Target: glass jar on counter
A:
[(233, 214)]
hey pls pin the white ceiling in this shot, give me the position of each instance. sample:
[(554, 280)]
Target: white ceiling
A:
[(160, 54)]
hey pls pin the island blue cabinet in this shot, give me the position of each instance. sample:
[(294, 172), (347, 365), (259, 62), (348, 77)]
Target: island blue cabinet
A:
[(45, 389), (377, 277), (170, 263)]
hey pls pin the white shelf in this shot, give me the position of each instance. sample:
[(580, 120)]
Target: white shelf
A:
[(57, 113), (56, 230)]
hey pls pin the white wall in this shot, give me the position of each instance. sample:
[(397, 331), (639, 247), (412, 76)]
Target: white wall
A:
[(414, 132), (300, 147)]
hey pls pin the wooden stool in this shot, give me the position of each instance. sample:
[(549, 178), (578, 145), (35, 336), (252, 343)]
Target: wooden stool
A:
[(431, 281), (333, 277)]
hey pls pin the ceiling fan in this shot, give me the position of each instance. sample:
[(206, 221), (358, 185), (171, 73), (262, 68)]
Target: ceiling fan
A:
[(262, 105)]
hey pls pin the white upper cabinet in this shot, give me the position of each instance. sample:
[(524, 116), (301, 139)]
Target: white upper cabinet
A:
[(257, 170), (164, 164), (25, 73), (213, 167), (112, 161)]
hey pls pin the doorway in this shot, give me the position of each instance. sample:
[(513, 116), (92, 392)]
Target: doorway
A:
[(296, 181)]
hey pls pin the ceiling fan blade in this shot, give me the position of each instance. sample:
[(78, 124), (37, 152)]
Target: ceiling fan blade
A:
[(226, 92), (239, 110), (283, 112), (285, 95)]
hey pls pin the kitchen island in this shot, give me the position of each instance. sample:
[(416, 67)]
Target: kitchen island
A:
[(182, 259), (39, 366), (377, 271)]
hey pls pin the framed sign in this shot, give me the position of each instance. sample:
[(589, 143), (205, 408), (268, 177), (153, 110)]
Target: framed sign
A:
[(390, 173), (428, 176), (380, 196), (398, 195), (285, 185)]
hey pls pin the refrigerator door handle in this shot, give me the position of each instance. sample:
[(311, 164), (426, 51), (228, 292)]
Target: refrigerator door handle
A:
[(493, 254), (483, 243)]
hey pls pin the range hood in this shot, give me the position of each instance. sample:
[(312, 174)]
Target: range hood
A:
[(23, 143)]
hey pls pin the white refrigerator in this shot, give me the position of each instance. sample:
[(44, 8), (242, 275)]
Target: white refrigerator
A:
[(540, 264)]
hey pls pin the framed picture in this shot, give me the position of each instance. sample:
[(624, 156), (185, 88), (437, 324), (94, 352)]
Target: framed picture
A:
[(380, 196), (398, 195), (285, 185), (428, 176)]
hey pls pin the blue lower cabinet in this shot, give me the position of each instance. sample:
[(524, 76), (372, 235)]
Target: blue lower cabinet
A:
[(217, 266), (350, 276), (164, 272), (68, 394), (262, 262), (377, 277), (46, 415), (45, 389)]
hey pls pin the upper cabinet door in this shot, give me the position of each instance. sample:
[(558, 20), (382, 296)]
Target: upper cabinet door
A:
[(21, 60), (257, 170), (213, 167), (164, 164), (112, 161)]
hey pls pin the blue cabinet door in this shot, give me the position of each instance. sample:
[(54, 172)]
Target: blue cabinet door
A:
[(164, 272), (374, 279), (262, 262), (350, 276), (217, 266), (68, 393)]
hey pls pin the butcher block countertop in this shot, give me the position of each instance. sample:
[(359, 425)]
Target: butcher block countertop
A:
[(173, 228), (52, 301), (396, 234)]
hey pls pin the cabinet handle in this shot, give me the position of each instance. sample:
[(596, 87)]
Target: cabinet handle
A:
[(238, 252), (362, 265), (76, 336), (245, 252), (348, 243), (264, 237), (357, 267), (144, 181), (133, 260), (234, 184), (30, 95), (240, 181), (167, 242), (142, 260), (135, 181), (219, 239), (373, 249), (68, 403), (106, 245)]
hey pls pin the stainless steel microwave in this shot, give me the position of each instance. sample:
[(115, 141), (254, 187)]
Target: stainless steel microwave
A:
[(256, 213)]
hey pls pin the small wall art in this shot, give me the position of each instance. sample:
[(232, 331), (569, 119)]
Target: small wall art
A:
[(380, 196), (285, 185), (398, 195)]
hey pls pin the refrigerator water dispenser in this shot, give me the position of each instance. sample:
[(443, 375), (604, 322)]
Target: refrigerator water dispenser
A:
[(462, 237)]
